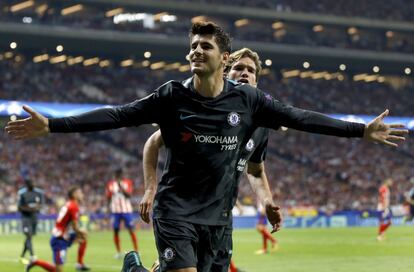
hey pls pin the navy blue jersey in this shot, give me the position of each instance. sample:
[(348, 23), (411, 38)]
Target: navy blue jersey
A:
[(30, 199), (204, 139)]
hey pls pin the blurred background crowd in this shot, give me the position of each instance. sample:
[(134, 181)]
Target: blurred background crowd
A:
[(328, 173)]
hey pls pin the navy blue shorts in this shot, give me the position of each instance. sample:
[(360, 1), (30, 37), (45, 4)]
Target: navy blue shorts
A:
[(385, 216), (60, 247), (126, 217)]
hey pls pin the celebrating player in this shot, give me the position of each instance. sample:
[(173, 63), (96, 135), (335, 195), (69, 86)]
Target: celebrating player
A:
[(30, 201), (64, 234), (118, 192), (385, 217), (205, 122), (244, 66)]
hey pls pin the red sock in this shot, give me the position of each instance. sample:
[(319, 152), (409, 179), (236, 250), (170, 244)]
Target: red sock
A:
[(116, 241), (232, 267), (383, 228), (134, 240), (81, 252), (268, 236), (45, 265), (264, 242)]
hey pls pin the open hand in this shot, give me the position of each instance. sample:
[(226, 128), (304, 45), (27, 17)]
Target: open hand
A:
[(36, 125), (379, 132)]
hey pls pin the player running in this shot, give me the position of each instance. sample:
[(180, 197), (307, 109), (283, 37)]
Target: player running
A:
[(29, 204), (118, 192), (64, 234), (205, 122), (384, 199)]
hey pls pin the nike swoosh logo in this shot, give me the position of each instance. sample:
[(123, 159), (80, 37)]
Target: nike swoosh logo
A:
[(182, 117)]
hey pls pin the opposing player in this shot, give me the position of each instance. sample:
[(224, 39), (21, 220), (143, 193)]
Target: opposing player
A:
[(385, 216), (118, 192), (29, 204), (261, 227), (64, 234), (409, 200), (205, 122)]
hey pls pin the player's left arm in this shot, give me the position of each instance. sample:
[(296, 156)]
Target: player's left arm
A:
[(271, 113), (127, 189), (256, 175), (80, 234)]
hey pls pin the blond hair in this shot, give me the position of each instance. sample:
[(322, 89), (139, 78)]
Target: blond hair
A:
[(242, 53)]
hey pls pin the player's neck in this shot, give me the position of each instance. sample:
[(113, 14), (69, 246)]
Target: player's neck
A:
[(209, 86)]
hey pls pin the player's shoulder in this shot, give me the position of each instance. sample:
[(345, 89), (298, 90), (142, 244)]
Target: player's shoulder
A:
[(241, 87), (22, 191), (39, 191), (73, 205), (172, 86)]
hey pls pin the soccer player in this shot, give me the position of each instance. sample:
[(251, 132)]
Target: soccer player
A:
[(205, 122), (261, 227), (118, 192), (409, 200), (64, 234), (29, 204), (244, 66), (385, 216)]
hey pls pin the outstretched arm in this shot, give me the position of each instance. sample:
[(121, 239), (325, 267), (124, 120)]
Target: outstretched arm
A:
[(144, 111), (150, 161), (258, 180), (272, 114)]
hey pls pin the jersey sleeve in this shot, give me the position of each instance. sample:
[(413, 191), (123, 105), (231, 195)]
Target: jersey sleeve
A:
[(259, 153), (73, 211), (129, 186), (144, 111), (271, 113), (108, 192), (21, 201)]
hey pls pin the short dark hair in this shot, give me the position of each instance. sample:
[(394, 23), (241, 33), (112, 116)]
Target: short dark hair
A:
[(118, 172), (72, 191), (209, 28)]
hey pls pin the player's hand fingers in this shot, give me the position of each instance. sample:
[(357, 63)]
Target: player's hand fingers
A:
[(29, 110), (396, 126), (389, 143), (382, 115), (17, 122), (400, 132), (395, 138)]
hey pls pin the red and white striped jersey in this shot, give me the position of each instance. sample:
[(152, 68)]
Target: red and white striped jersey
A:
[(383, 197), (68, 213), (119, 202)]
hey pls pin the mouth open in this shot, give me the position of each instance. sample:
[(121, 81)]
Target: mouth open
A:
[(243, 80)]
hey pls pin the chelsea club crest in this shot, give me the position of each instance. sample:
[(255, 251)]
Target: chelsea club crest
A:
[(233, 118)]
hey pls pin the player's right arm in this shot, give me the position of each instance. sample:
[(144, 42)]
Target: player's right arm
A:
[(150, 161), (143, 111)]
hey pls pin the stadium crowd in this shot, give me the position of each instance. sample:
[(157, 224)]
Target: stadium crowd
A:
[(93, 17), (332, 174), (398, 10)]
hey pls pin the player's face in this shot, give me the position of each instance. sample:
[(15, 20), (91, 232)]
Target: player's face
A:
[(244, 71), (205, 57), (79, 195)]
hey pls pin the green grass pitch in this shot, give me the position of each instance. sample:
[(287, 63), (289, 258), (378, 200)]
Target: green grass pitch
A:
[(301, 250)]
